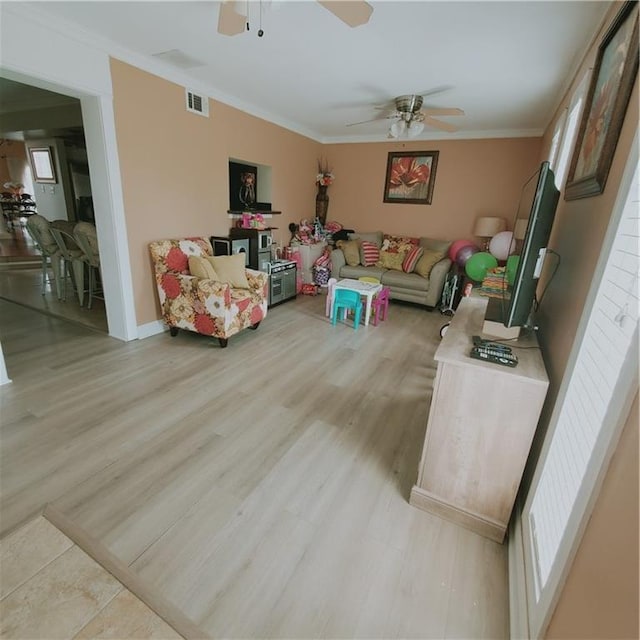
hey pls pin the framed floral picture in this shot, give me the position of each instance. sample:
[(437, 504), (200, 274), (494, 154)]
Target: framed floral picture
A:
[(410, 177), (611, 84)]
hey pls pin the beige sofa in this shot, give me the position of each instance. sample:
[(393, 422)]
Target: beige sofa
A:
[(410, 287)]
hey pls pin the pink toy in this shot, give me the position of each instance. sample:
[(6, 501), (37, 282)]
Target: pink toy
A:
[(380, 305), (456, 246)]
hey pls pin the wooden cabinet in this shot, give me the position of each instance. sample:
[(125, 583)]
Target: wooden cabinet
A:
[(481, 423)]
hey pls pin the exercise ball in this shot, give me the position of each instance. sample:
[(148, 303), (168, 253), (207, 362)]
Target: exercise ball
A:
[(464, 253), (512, 268), (502, 244), (456, 246), (478, 265)]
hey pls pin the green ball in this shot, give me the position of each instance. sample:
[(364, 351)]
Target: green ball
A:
[(478, 265)]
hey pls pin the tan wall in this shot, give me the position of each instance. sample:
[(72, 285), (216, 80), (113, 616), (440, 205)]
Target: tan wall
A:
[(473, 178), (600, 598), (601, 594), (10, 149), (174, 167)]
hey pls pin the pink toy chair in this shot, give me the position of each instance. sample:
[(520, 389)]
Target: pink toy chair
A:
[(380, 305), (327, 309)]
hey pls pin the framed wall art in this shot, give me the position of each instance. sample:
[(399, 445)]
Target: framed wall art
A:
[(605, 107), (410, 177), (42, 165)]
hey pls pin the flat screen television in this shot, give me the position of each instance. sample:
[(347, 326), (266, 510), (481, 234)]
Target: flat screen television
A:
[(531, 230)]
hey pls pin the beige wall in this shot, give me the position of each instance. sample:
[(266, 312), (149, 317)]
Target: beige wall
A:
[(600, 598), (473, 178), (174, 168)]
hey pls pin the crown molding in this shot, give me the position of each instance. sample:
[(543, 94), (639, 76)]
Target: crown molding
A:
[(437, 136)]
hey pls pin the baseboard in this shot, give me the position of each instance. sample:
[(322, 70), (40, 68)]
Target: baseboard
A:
[(151, 329), (474, 522), (518, 612)]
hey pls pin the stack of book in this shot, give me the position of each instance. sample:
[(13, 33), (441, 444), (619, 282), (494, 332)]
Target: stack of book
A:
[(494, 284)]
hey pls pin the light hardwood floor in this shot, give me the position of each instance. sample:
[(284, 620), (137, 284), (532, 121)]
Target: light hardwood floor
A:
[(261, 488), (21, 282)]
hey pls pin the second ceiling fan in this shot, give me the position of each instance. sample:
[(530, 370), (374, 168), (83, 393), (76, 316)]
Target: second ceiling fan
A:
[(232, 22)]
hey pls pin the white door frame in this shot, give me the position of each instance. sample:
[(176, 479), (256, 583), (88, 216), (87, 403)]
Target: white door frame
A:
[(57, 62)]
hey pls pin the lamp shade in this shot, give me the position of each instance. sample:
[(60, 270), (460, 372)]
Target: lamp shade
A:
[(520, 228), (487, 227)]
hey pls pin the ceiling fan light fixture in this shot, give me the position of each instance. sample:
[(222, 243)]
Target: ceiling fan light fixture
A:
[(397, 128), (415, 129)]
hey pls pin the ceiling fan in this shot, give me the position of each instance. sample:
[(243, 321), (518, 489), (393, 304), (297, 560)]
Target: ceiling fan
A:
[(409, 118), (231, 23)]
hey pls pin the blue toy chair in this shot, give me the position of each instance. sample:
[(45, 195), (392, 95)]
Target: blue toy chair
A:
[(346, 300)]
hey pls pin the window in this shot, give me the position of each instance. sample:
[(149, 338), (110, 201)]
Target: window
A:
[(555, 142), (569, 134)]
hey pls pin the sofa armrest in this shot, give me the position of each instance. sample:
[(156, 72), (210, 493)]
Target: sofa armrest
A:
[(337, 262), (436, 281)]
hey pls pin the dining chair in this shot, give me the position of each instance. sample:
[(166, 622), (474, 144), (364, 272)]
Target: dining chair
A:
[(72, 260), (39, 228), (346, 300), (87, 239)]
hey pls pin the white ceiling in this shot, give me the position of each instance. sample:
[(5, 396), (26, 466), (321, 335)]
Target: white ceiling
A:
[(505, 64)]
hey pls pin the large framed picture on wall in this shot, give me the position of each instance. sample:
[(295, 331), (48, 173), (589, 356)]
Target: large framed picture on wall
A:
[(609, 92), (410, 177)]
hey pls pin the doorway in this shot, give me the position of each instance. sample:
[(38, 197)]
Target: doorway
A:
[(34, 118)]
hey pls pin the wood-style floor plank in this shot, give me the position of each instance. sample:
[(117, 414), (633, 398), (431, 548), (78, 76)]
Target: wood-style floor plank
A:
[(263, 489)]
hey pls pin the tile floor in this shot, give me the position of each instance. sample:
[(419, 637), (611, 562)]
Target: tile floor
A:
[(51, 588)]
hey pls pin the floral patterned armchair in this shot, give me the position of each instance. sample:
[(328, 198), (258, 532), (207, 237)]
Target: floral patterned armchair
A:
[(198, 304)]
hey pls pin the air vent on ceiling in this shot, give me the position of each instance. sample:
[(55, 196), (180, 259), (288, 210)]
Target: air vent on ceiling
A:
[(179, 59), (197, 103)]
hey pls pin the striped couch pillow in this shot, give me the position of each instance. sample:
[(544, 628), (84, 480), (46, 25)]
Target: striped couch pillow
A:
[(370, 253), (411, 259)]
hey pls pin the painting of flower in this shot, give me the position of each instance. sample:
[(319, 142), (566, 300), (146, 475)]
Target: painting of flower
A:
[(410, 177), (610, 90)]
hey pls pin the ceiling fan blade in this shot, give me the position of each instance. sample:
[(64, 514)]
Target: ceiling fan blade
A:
[(230, 23), (434, 90), (391, 117), (439, 124), (436, 111), (352, 12)]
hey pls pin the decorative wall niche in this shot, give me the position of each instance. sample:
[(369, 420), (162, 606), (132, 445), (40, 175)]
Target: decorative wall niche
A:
[(249, 186)]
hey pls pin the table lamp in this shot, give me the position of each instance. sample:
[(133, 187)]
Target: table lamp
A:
[(520, 228), (486, 227)]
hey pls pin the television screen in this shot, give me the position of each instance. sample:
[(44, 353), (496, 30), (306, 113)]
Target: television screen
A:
[(531, 231)]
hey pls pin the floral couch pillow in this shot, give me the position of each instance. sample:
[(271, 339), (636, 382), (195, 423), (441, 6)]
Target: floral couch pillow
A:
[(398, 244)]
